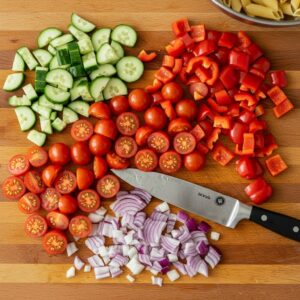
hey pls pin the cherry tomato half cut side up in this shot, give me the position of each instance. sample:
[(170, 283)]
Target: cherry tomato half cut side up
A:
[(54, 242), (82, 130), (116, 162), (65, 182), (59, 154), (29, 203), (88, 201), (99, 110), (126, 147), (184, 143), (57, 220), (50, 198), (37, 156), (170, 162), (18, 165), (33, 182), (159, 142), (108, 186), (49, 174), (80, 226), (35, 226), (84, 177), (80, 153), (146, 160), (127, 123)]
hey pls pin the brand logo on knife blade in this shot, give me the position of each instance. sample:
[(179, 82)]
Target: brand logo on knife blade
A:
[(203, 196)]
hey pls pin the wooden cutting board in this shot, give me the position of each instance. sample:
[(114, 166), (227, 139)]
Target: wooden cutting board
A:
[(257, 264)]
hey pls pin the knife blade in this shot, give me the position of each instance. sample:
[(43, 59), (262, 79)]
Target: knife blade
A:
[(207, 203)]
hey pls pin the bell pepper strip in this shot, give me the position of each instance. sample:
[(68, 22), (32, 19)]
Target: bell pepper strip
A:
[(246, 116), (243, 96), (183, 75), (202, 74), (254, 52), (198, 133), (205, 47), (279, 78), (164, 75), (204, 112), (244, 40), (202, 148), (157, 98), (181, 27), (248, 143), (223, 98), (276, 165), (192, 79), (216, 107), (257, 125), (283, 108), (244, 104), (168, 109), (259, 191), (221, 154), (177, 66), (277, 95), (213, 137), (229, 77), (156, 85), (188, 41), (214, 68), (146, 57), (233, 110), (168, 61), (248, 167), (224, 122), (239, 60), (175, 48), (262, 64), (259, 140), (186, 56), (252, 82), (198, 33), (228, 40)]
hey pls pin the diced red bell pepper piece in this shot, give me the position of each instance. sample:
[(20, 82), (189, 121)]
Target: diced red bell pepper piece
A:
[(145, 57), (180, 27), (164, 75), (246, 116), (217, 86), (262, 64), (207, 127), (168, 61), (233, 110), (254, 52), (183, 75), (283, 108), (259, 191), (277, 95), (202, 74), (214, 35), (229, 77), (244, 39), (257, 125), (202, 148), (224, 122), (243, 96), (278, 78), (259, 110), (157, 97), (239, 60), (228, 40), (203, 112), (276, 165), (236, 133), (222, 56), (188, 41), (258, 73), (177, 66), (216, 107), (259, 140), (259, 94), (205, 47), (248, 143), (248, 167), (270, 145), (244, 104), (252, 82), (222, 154), (156, 85), (198, 33), (223, 98), (192, 79), (198, 133), (213, 137), (175, 48), (186, 56), (168, 109)]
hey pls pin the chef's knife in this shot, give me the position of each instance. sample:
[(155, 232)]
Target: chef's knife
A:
[(209, 204)]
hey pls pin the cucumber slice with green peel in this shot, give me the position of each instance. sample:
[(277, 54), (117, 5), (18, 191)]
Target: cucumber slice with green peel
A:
[(77, 71), (44, 102), (78, 34), (18, 63), (40, 79), (62, 40), (115, 87), (75, 92), (89, 62), (63, 56), (97, 86), (61, 78), (58, 124), (47, 35), (118, 49), (84, 91), (82, 24), (125, 35), (81, 107), (41, 110), (85, 46), (42, 56), (51, 50), (19, 101), (130, 68), (28, 57), (56, 95), (69, 116), (55, 65), (13, 82), (26, 117), (100, 37), (46, 125), (39, 86), (100, 97), (74, 53), (29, 91), (53, 115), (103, 70), (36, 137), (106, 54)]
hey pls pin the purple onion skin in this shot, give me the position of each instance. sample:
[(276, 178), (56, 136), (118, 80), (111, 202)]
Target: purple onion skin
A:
[(182, 216), (204, 227), (203, 249), (191, 224), (165, 270), (164, 262)]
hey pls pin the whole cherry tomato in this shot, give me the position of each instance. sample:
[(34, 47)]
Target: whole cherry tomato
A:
[(80, 153), (99, 144), (172, 91), (155, 117), (186, 108), (59, 154), (119, 104), (139, 99), (194, 161)]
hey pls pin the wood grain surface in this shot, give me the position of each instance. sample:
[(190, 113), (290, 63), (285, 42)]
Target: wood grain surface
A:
[(257, 264)]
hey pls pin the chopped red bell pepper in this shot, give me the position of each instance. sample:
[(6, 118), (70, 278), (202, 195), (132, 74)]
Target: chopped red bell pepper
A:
[(228, 40), (168, 109), (223, 122), (205, 47), (223, 98), (217, 86), (168, 61), (229, 77), (164, 75), (252, 82), (259, 140), (233, 110), (283, 108), (145, 57), (213, 137), (246, 116), (222, 154), (259, 94), (277, 95), (202, 73), (198, 33), (244, 40), (207, 127), (175, 48), (214, 35), (180, 27), (236, 133), (239, 60), (249, 167), (270, 145), (222, 56), (177, 66), (157, 98), (278, 78), (262, 64), (248, 143), (243, 96), (258, 73), (192, 79), (156, 85), (214, 68), (198, 133), (202, 148), (259, 110), (216, 107), (244, 104), (254, 52), (186, 56), (188, 41), (259, 191), (183, 75), (276, 165), (203, 112), (257, 125)]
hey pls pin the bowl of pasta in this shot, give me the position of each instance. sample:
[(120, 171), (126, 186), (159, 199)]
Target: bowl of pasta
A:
[(277, 13)]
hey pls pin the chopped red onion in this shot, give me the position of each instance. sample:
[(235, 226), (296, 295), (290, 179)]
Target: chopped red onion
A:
[(180, 267), (70, 272), (215, 235), (71, 249), (145, 196), (95, 218), (107, 230), (182, 216), (139, 219), (130, 204), (202, 248), (158, 216), (203, 226), (132, 252), (154, 272), (189, 249), (130, 278), (135, 266), (101, 272), (190, 272), (172, 257), (173, 275), (94, 230), (142, 249), (153, 230), (101, 211), (203, 269), (144, 259), (118, 235), (95, 261), (191, 224), (165, 270), (171, 222), (106, 259), (184, 236), (87, 269), (127, 220), (181, 254), (140, 234), (212, 257), (157, 280), (169, 244), (129, 237), (78, 263), (121, 193), (125, 250), (156, 266), (163, 207), (103, 251), (115, 271), (164, 262), (94, 242), (119, 261), (113, 250), (193, 263), (157, 254), (199, 236), (176, 233)]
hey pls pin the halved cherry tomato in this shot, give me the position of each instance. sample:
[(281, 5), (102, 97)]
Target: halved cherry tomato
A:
[(172, 91), (126, 147), (50, 199), (49, 174), (116, 162), (37, 156), (33, 182), (100, 167), (29, 203), (170, 162), (57, 220), (99, 144), (80, 153), (119, 104), (142, 135), (127, 123), (82, 130), (168, 109), (99, 110), (186, 108), (13, 188), (35, 226), (67, 204), (276, 165), (139, 100), (184, 143), (108, 186), (107, 128), (18, 165), (80, 226), (155, 118), (55, 242), (146, 160), (88, 201), (85, 178), (194, 161), (65, 182), (159, 141), (179, 125), (248, 167), (59, 154)]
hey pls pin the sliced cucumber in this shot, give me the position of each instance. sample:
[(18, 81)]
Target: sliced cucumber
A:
[(56, 95), (97, 86), (40, 79), (84, 91), (103, 70), (58, 124), (62, 40), (81, 23), (26, 117), (125, 35), (106, 54), (77, 71), (53, 115), (78, 34), (46, 125), (59, 77), (130, 68), (55, 65), (74, 53), (74, 92), (13, 82), (28, 57), (18, 63), (80, 107), (43, 101), (118, 49), (42, 56), (69, 116), (51, 50), (85, 46), (30, 91), (63, 56), (100, 97), (100, 37), (47, 35), (36, 137), (115, 87), (41, 110), (19, 101), (89, 62)]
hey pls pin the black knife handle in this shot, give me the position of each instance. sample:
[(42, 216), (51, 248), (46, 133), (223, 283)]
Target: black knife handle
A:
[(284, 225)]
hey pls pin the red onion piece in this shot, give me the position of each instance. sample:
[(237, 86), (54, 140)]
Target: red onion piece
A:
[(182, 216), (169, 244), (191, 224), (203, 226), (95, 261)]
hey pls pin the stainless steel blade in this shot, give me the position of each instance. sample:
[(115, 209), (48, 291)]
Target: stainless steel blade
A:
[(197, 199)]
